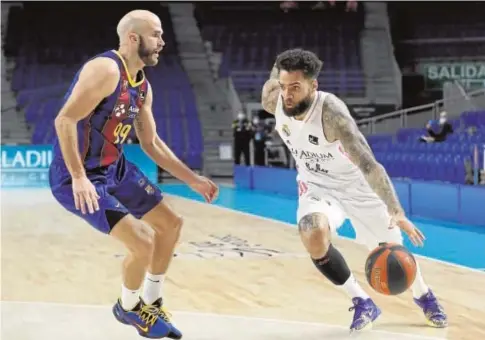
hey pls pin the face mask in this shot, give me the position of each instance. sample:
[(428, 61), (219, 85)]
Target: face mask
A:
[(240, 116), (255, 121), (442, 120)]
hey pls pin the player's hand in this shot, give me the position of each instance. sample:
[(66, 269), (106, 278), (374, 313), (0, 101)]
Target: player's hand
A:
[(414, 234), (206, 188), (85, 195)]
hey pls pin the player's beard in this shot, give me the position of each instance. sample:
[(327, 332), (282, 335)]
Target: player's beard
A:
[(146, 55), (299, 108)]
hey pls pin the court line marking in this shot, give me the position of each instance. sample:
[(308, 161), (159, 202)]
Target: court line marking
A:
[(227, 316), (342, 237)]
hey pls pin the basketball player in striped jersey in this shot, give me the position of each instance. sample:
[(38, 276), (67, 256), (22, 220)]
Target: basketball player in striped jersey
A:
[(338, 177), (91, 178)]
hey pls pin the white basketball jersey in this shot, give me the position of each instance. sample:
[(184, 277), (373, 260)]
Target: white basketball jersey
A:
[(318, 161)]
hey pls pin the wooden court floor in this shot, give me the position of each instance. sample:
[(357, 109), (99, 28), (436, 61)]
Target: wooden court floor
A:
[(235, 276)]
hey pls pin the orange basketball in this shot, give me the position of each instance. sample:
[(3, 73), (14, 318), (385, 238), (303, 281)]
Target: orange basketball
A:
[(390, 269)]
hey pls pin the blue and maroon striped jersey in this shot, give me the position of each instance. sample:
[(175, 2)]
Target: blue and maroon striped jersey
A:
[(102, 133)]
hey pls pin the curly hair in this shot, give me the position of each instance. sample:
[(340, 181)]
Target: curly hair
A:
[(299, 60)]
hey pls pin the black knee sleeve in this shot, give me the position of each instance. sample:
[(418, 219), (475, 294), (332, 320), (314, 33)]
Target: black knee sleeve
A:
[(333, 266)]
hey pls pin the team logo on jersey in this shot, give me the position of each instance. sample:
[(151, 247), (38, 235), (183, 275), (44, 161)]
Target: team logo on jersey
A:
[(124, 86), (142, 95), (120, 110), (286, 130), (313, 140)]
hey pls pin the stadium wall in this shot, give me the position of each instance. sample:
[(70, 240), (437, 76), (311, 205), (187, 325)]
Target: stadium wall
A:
[(27, 166), (433, 200)]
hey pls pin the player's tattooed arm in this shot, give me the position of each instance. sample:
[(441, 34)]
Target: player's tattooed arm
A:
[(338, 124), (271, 90), (311, 221)]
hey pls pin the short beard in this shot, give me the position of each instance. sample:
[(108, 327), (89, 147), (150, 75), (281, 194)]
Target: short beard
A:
[(144, 54), (300, 108)]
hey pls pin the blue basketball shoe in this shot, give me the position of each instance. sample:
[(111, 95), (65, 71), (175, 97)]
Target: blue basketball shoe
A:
[(434, 313), (165, 315), (366, 311), (144, 318)]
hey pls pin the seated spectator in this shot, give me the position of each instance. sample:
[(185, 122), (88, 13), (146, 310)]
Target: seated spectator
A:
[(445, 130)]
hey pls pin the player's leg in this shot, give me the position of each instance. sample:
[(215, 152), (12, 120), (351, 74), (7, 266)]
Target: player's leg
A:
[(138, 240), (130, 309), (114, 219), (319, 216), (372, 225), (166, 226), (144, 200)]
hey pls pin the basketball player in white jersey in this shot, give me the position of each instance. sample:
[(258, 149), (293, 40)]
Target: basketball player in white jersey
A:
[(338, 177)]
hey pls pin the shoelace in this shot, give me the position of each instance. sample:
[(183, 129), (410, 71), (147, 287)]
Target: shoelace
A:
[(363, 311), (148, 314), (164, 314)]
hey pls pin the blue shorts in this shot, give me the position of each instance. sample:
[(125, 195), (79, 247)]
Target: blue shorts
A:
[(123, 189)]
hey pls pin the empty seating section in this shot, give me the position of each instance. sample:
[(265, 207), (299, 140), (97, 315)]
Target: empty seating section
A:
[(50, 50), (251, 37), (452, 20), (404, 157)]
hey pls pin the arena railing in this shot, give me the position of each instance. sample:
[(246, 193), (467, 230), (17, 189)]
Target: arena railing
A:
[(417, 116)]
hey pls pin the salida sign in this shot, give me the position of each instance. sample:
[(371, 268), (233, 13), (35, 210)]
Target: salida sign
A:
[(471, 75)]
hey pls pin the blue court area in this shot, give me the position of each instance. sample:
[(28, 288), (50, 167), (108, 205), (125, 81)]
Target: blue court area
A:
[(455, 243)]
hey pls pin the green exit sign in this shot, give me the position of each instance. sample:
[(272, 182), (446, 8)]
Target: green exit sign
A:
[(471, 75)]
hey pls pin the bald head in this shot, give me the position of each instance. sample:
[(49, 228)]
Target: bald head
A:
[(137, 21)]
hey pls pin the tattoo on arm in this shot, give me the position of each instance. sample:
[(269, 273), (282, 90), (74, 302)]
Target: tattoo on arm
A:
[(311, 221), (339, 124), (271, 90)]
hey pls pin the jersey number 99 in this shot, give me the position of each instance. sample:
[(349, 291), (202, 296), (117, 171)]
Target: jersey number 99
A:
[(121, 132)]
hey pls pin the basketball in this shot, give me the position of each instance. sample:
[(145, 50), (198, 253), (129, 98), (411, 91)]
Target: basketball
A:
[(390, 269)]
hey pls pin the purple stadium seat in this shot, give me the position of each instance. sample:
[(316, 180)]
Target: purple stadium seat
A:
[(48, 57)]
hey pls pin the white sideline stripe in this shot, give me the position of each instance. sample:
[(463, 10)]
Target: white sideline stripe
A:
[(226, 316)]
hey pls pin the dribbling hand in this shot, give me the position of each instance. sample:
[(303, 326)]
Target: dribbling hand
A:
[(414, 234), (205, 187), (85, 195)]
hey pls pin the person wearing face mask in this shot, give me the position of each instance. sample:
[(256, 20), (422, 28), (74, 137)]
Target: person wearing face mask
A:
[(259, 138), (242, 132), (445, 129)]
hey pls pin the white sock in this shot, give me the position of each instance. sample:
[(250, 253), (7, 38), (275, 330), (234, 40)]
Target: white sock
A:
[(419, 287), (152, 288), (129, 298), (353, 288)]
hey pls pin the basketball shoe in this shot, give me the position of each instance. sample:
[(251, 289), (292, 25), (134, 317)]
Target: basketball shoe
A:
[(165, 315), (144, 318), (434, 313), (366, 311)]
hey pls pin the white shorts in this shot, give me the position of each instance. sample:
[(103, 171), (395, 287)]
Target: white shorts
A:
[(366, 211)]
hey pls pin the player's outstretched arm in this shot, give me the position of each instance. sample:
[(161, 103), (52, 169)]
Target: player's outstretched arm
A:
[(154, 147), (339, 125), (271, 90), (97, 80), (161, 154)]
